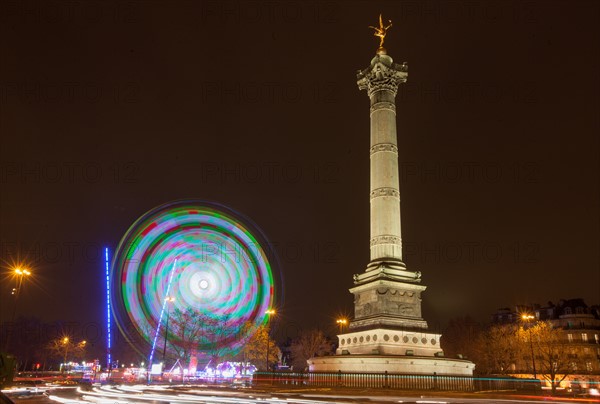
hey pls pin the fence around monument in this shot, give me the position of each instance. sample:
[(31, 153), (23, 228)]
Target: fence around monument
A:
[(395, 381)]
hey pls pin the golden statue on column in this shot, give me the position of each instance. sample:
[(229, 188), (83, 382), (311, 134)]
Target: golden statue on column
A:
[(381, 32)]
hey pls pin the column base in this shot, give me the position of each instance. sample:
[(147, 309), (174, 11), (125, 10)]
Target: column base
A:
[(387, 269)]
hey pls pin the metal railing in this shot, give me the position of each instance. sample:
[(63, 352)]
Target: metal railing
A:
[(396, 381)]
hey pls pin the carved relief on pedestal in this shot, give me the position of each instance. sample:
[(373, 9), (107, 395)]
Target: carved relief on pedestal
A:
[(406, 310), (390, 308)]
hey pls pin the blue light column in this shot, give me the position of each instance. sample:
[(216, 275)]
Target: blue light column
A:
[(108, 341)]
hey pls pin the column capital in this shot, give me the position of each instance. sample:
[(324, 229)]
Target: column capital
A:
[(383, 74)]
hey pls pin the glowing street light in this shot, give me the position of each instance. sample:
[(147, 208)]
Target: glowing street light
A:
[(528, 318), (69, 345), (342, 322), (19, 273), (65, 342)]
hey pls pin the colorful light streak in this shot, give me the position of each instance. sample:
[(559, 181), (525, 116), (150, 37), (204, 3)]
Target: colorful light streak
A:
[(108, 322), (223, 273), (162, 312)]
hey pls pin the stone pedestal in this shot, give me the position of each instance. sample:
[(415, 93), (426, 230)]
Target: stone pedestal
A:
[(386, 341), (386, 302), (415, 365)]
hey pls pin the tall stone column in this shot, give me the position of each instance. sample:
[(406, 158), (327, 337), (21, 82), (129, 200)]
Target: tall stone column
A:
[(388, 333), (387, 294), (381, 80)]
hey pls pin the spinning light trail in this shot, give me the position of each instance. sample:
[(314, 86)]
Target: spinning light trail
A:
[(223, 274)]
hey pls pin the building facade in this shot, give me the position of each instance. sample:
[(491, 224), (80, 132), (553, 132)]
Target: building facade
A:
[(580, 330)]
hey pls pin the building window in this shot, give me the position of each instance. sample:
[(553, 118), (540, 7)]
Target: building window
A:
[(570, 337), (567, 310), (588, 366), (584, 337), (597, 338), (579, 310)]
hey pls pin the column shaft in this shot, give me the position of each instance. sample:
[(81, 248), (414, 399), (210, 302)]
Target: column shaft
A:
[(386, 239)]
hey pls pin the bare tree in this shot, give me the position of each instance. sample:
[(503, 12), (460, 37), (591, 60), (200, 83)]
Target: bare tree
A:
[(551, 351), (185, 333), (194, 333), (308, 344), (66, 349), (499, 348), (216, 338)]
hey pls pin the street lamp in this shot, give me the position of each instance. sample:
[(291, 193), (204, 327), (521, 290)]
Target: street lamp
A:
[(19, 273), (342, 323), (65, 342), (527, 318), (168, 300), (269, 313)]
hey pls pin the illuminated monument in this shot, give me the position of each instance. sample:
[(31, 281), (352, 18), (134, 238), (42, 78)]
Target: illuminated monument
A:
[(388, 332)]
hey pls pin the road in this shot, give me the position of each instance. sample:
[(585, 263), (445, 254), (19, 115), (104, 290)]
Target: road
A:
[(142, 394)]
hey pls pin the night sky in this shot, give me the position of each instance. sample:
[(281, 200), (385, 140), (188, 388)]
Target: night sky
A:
[(108, 109)]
